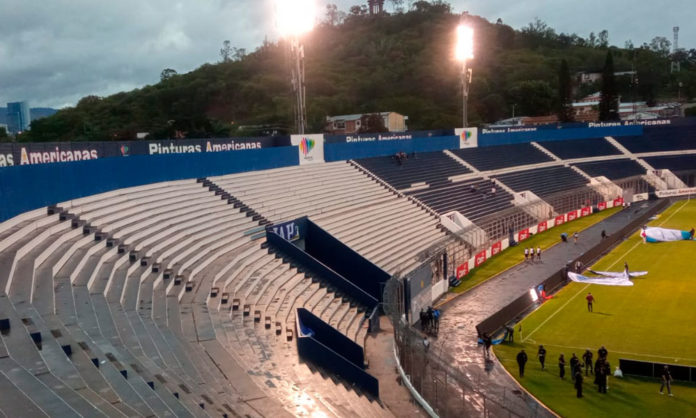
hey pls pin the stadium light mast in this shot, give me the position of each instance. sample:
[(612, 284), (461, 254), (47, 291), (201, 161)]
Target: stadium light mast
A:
[(463, 52), (294, 19)]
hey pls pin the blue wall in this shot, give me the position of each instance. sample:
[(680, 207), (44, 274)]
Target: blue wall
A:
[(330, 352), (321, 270), (344, 260), (353, 150), (490, 139), (28, 187)]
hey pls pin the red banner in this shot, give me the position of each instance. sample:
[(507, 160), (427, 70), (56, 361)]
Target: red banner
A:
[(560, 220), (480, 258), (495, 249), (523, 235), (543, 226), (570, 216), (586, 211), (462, 270), (602, 205), (618, 201)]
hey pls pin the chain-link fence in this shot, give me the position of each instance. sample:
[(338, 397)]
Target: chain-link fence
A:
[(449, 391)]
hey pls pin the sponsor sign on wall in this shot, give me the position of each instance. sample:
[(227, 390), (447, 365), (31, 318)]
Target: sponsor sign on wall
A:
[(480, 258), (468, 137), (496, 248), (385, 136), (462, 270), (310, 147), (523, 234), (585, 211), (289, 231), (676, 192), (571, 216), (560, 220), (619, 201), (58, 152), (543, 226), (602, 205)]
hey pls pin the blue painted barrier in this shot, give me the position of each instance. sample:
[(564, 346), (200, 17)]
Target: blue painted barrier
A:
[(352, 150)]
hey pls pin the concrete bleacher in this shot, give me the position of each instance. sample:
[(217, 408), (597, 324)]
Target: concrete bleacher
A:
[(675, 163), (426, 167), (543, 181), (612, 169), (472, 198), (99, 327), (502, 156), (580, 148), (345, 202), (668, 138)]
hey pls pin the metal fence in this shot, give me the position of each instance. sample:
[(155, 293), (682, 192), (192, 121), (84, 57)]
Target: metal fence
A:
[(449, 391)]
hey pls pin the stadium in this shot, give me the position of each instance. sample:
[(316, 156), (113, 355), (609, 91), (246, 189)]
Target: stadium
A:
[(279, 281)]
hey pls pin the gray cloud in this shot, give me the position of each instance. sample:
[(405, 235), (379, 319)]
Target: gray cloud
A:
[(58, 51)]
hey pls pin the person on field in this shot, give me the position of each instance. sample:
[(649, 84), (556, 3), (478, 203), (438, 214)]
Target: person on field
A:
[(561, 366), (539, 254), (574, 361), (601, 375), (521, 361), (602, 352), (587, 359), (542, 356), (590, 301), (526, 254), (510, 334), (578, 383), (666, 377), (575, 237)]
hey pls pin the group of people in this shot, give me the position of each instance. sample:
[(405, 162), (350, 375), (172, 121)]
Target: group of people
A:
[(529, 254), (600, 369), (400, 157), (430, 320)]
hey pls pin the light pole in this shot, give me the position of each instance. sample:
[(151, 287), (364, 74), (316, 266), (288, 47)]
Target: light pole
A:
[(294, 19), (465, 51)]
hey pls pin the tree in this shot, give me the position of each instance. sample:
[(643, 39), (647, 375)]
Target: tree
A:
[(565, 92), (660, 45), (226, 51), (592, 40), (3, 133), (332, 17), (628, 45), (372, 122), (603, 39), (397, 5), (609, 98), (167, 73)]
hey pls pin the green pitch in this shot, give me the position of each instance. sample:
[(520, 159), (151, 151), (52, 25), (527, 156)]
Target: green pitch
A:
[(653, 320)]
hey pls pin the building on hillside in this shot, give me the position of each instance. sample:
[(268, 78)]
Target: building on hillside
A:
[(352, 124), (18, 117), (595, 76), (375, 6)]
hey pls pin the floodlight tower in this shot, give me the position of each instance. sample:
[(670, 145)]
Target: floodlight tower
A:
[(465, 51), (296, 18), (675, 63)]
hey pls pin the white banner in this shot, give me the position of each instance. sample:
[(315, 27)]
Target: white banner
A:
[(607, 281), (654, 234), (310, 147), (468, 137), (675, 192)]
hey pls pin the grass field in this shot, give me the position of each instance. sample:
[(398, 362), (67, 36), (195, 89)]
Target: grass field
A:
[(652, 320), (515, 255)]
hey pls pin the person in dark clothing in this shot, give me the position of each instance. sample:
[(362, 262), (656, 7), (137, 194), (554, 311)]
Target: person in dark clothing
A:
[(691, 233), (521, 361), (587, 358), (561, 366), (510, 334), (602, 353), (574, 361), (578, 383), (487, 342), (601, 375), (666, 381), (542, 356), (604, 234), (590, 300)]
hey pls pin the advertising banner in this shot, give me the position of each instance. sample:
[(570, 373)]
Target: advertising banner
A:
[(480, 258), (385, 136), (585, 211), (462, 270), (495, 249), (310, 147), (619, 201), (571, 216), (543, 226), (560, 220), (54, 152), (676, 192), (602, 205), (523, 234), (468, 137)]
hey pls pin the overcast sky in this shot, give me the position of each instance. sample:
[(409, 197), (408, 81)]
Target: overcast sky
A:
[(53, 52)]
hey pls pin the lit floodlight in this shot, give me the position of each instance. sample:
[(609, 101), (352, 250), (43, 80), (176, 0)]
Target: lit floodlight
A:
[(465, 43), (295, 17)]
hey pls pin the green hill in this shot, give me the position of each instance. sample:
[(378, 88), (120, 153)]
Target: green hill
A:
[(401, 62)]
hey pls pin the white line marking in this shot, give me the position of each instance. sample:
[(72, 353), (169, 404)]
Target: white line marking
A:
[(587, 285)]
